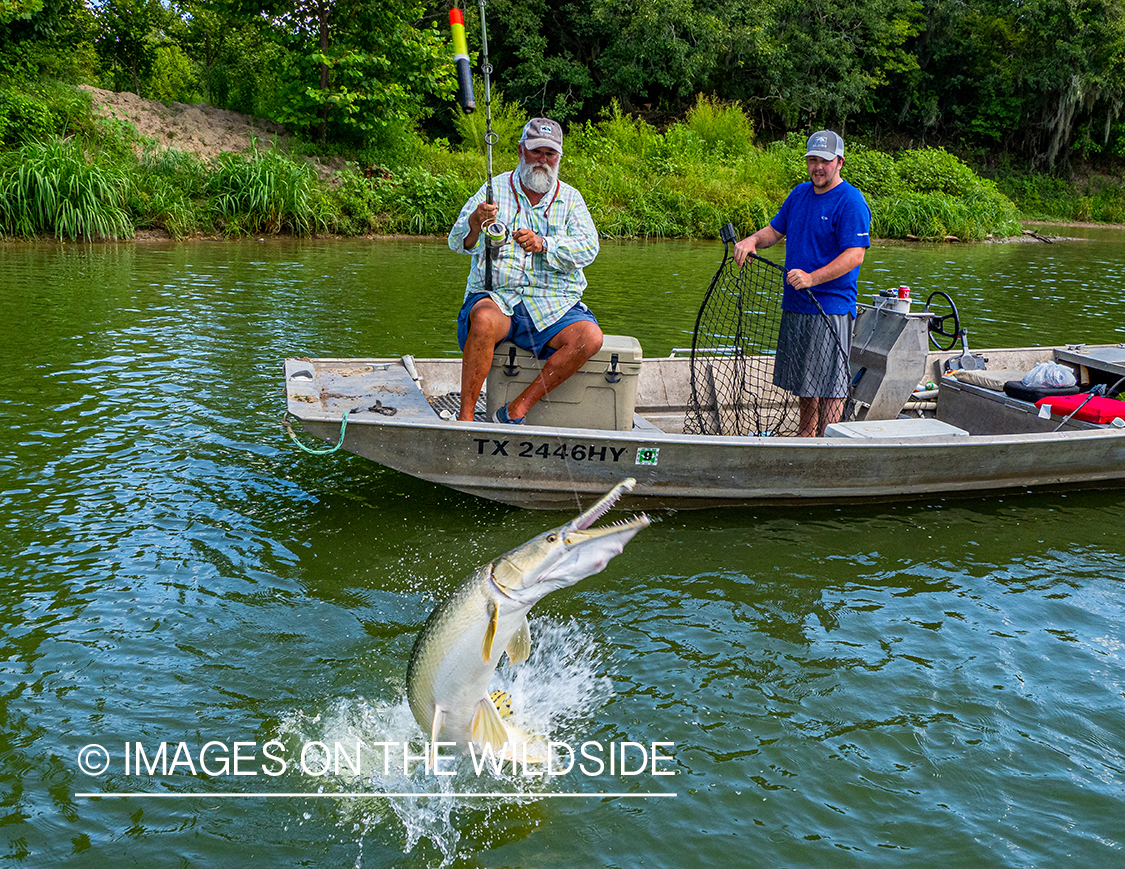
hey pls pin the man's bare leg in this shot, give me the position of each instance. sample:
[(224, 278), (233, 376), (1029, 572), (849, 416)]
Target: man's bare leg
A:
[(809, 411), (831, 410), (573, 347), (816, 414), (488, 326)]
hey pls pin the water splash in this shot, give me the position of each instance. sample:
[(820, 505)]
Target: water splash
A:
[(555, 692)]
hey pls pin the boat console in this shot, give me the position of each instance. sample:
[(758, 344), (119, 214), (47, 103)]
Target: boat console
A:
[(888, 358)]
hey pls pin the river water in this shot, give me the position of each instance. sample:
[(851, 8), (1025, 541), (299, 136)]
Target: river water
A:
[(925, 684)]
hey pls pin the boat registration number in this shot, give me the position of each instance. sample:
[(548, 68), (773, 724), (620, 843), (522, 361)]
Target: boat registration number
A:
[(549, 449)]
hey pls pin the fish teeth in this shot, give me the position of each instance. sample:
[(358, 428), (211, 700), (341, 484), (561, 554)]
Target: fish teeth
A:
[(585, 520)]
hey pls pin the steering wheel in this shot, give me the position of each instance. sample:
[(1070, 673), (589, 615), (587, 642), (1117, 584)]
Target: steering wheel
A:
[(939, 325)]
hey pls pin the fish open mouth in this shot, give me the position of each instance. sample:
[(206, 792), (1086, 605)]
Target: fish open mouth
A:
[(603, 506)]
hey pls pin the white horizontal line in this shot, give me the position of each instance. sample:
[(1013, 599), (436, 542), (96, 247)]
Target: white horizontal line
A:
[(355, 795)]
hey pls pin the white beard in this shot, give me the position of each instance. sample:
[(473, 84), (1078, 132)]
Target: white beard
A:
[(538, 179)]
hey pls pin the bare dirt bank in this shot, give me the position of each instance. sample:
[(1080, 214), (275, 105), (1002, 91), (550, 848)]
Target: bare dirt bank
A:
[(200, 129)]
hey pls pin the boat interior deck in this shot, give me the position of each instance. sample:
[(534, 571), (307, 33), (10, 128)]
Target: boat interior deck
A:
[(971, 400), (976, 400)]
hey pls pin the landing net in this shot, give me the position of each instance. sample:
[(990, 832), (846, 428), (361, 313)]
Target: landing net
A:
[(743, 381)]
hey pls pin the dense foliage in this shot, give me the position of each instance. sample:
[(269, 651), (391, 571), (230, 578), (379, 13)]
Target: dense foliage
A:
[(1039, 80), (686, 180), (682, 114)]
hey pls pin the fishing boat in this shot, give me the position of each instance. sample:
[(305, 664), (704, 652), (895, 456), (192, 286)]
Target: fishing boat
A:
[(927, 423)]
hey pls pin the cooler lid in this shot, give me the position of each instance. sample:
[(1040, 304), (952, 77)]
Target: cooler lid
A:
[(627, 348)]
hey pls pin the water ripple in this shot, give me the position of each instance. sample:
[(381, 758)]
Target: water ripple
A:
[(884, 685)]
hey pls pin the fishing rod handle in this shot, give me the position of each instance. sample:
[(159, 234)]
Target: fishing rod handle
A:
[(465, 94)]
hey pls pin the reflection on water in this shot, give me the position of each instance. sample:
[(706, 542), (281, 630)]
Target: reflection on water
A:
[(844, 686)]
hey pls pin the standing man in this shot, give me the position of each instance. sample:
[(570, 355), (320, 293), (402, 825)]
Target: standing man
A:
[(827, 227), (536, 279)]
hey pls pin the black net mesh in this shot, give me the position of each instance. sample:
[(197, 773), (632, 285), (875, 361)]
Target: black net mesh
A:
[(747, 368)]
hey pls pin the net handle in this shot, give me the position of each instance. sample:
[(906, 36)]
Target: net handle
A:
[(729, 236)]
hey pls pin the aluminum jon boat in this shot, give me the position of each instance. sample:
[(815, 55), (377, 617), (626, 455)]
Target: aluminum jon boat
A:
[(624, 416)]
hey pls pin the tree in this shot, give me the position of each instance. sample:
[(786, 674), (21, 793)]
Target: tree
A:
[(1019, 74), (41, 37), (577, 57), (13, 10), (827, 59), (124, 39), (355, 68)]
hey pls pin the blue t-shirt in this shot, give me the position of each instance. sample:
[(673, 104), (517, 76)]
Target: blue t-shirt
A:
[(818, 227)]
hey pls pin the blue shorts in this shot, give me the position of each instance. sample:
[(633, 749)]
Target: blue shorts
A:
[(522, 332)]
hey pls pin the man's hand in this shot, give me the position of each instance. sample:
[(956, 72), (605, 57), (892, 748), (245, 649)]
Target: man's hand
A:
[(484, 213), (798, 279), (745, 249), (848, 259), (528, 240), (765, 237)]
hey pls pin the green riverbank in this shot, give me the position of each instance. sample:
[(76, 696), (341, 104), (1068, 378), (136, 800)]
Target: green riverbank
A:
[(67, 173)]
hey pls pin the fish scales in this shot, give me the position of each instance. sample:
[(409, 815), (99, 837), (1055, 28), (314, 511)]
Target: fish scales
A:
[(461, 642), (446, 660)]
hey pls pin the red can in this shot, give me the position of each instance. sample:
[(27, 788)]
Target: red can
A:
[(904, 292)]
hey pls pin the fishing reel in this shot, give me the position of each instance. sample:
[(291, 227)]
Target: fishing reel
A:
[(496, 235)]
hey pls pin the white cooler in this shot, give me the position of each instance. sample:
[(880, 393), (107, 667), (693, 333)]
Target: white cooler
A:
[(602, 394)]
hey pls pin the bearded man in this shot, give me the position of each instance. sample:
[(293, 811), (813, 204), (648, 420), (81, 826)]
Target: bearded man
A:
[(529, 290)]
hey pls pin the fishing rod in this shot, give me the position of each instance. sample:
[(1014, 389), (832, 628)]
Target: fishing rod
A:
[(496, 233), (1099, 389)]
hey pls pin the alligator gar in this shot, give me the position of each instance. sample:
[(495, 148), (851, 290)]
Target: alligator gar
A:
[(461, 642)]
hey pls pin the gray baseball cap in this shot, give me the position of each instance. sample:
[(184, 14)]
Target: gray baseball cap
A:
[(542, 133), (826, 145)]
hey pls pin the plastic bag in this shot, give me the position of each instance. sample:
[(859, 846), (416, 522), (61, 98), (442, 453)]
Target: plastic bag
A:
[(1049, 374)]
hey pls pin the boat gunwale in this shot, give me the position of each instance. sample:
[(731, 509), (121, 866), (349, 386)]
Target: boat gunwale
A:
[(641, 436), (305, 413)]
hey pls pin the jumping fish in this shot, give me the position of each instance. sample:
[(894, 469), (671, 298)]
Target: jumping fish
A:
[(461, 642)]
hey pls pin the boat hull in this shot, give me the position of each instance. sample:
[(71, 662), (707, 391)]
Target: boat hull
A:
[(531, 469), (556, 468)]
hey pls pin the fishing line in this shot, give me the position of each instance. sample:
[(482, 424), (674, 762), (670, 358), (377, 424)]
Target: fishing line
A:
[(566, 463)]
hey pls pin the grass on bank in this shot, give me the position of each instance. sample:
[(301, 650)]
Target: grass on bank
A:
[(54, 188), (70, 176), (1091, 199)]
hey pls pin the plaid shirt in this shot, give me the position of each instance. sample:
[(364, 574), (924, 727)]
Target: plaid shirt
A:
[(547, 284)]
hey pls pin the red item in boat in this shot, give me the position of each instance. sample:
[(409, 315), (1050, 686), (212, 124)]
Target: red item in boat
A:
[(1097, 409)]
